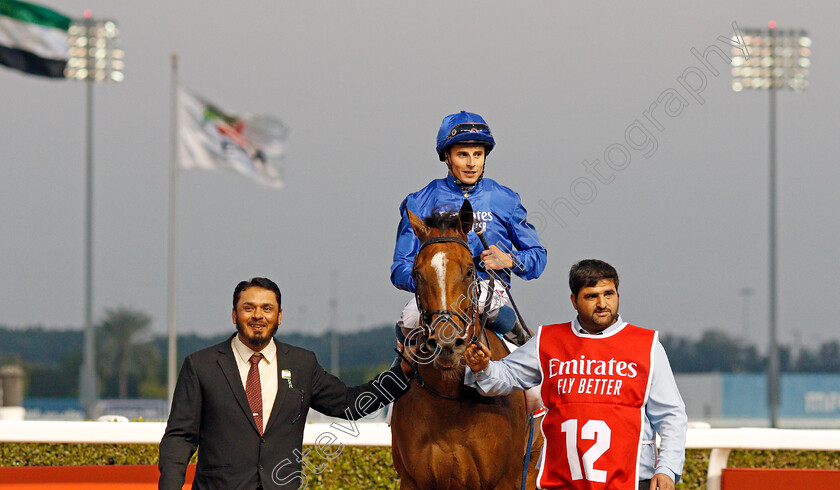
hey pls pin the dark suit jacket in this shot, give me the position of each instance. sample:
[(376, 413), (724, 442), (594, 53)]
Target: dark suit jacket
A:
[(210, 411)]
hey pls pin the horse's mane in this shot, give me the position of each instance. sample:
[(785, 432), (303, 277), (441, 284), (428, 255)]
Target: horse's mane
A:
[(443, 219)]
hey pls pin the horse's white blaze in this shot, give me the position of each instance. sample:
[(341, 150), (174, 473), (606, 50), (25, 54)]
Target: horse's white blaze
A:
[(439, 263)]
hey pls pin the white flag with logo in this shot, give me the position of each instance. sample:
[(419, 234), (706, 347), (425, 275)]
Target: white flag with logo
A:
[(211, 139)]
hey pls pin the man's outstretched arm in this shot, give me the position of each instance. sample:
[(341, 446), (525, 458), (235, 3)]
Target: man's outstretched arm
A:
[(518, 371)]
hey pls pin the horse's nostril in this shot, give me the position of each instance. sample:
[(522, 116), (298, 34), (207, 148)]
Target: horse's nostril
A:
[(431, 344), (459, 342)]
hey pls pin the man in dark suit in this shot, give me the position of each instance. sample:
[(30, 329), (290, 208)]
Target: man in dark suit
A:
[(243, 403)]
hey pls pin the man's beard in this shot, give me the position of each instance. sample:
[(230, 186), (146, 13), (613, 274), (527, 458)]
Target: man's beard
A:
[(257, 340), (612, 318)]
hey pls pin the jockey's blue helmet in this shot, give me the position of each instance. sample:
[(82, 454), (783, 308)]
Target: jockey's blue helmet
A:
[(463, 128)]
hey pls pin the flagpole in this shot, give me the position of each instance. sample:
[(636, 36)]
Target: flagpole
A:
[(172, 354)]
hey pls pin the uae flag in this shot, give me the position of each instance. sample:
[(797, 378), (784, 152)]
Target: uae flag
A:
[(211, 139), (33, 39)]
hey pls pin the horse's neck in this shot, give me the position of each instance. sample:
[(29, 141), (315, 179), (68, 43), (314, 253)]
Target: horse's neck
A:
[(449, 383)]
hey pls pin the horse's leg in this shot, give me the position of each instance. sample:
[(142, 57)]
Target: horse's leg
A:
[(516, 452), (396, 454), (403, 441), (396, 458), (406, 483)]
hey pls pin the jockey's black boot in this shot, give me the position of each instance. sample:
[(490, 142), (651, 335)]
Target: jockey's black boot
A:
[(517, 335)]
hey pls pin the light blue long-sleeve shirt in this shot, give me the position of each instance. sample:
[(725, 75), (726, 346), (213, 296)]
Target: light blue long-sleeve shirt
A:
[(664, 410)]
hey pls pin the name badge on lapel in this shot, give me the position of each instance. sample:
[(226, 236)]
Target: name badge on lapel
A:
[(287, 375)]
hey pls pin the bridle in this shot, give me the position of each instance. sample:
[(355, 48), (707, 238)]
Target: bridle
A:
[(447, 314)]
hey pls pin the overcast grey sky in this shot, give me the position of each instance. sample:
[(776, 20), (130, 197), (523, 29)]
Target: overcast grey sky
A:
[(363, 87)]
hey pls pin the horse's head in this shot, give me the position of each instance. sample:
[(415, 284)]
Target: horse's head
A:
[(445, 282)]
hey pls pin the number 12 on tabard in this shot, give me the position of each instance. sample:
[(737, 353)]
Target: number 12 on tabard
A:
[(593, 429)]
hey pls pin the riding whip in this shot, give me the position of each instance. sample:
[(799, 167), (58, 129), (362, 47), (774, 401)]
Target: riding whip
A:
[(480, 234)]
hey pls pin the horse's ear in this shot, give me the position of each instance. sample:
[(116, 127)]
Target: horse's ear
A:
[(466, 217), (420, 228)]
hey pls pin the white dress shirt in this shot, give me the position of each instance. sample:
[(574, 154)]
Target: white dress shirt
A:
[(268, 371)]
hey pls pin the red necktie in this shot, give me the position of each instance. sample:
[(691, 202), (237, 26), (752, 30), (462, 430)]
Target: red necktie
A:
[(253, 390)]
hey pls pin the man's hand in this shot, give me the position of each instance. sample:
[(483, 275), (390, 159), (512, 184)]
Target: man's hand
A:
[(662, 482), (495, 259), (477, 356)]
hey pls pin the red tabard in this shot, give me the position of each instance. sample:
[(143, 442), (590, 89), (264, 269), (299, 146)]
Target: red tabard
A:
[(594, 388)]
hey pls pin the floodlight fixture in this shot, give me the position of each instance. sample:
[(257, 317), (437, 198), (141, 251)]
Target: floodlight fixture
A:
[(773, 60), (95, 56), (95, 53)]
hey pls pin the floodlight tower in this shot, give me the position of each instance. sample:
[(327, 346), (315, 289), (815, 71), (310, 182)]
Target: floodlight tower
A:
[(94, 57), (774, 60)]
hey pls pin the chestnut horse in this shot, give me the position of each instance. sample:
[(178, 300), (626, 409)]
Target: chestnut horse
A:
[(447, 435)]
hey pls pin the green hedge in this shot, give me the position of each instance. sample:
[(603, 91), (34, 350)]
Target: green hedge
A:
[(367, 468)]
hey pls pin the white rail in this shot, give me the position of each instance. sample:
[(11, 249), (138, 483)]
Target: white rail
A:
[(720, 441), (723, 441), (344, 432)]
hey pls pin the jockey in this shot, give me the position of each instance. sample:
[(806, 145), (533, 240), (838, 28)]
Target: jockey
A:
[(463, 142)]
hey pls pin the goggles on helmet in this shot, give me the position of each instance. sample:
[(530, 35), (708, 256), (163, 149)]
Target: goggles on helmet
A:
[(468, 128)]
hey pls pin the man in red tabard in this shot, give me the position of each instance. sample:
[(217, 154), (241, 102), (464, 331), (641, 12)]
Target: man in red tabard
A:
[(608, 390)]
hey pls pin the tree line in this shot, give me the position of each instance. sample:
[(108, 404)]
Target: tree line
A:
[(716, 351), (131, 359)]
